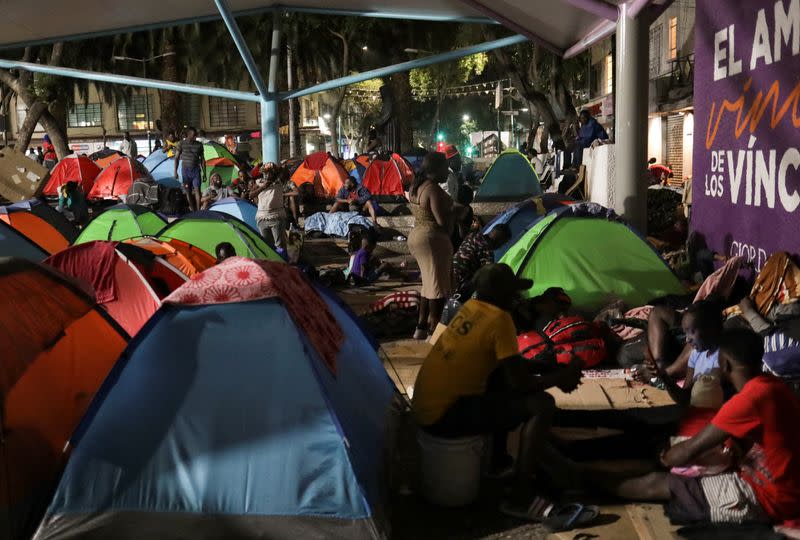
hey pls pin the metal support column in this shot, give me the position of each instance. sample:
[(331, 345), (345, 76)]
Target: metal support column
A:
[(270, 138), (630, 189)]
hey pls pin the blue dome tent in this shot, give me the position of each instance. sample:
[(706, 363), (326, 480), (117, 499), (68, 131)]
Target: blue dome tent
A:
[(238, 208), (222, 420), (162, 169)]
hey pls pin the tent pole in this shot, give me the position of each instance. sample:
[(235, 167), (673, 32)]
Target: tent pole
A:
[(630, 190)]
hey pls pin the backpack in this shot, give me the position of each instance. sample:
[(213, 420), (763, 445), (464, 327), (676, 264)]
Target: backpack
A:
[(567, 338)]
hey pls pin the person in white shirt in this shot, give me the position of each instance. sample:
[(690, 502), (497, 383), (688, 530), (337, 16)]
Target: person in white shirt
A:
[(271, 214), (128, 146)]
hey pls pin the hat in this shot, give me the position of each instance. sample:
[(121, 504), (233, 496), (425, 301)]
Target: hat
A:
[(498, 280)]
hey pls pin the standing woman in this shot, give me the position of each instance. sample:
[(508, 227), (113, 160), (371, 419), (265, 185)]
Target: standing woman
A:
[(429, 241)]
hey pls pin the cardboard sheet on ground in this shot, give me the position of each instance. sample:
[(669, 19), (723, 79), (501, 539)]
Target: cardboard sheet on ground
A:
[(604, 394), (21, 178)]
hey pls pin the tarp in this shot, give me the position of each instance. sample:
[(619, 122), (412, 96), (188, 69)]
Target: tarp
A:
[(72, 168), (286, 449), (21, 178), (510, 177), (57, 349), (105, 157), (388, 177), (16, 244), (117, 179), (594, 259), (206, 229), (327, 175), (524, 215), (36, 229), (47, 213), (238, 208), (121, 222), (336, 224)]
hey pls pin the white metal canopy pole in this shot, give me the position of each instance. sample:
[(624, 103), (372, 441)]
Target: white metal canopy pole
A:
[(629, 195)]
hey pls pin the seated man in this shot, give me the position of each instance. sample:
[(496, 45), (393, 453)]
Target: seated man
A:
[(224, 250), (215, 192), (761, 418), (701, 326), (476, 251), (356, 199), (72, 203), (474, 382), (362, 270)]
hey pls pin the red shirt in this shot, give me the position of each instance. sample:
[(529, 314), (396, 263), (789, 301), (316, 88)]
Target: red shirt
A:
[(766, 412), (49, 151)]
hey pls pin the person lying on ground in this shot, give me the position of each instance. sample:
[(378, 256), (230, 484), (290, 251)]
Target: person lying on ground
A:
[(535, 313), (760, 419), (684, 351), (475, 252), (72, 203), (215, 192), (354, 198), (474, 382), (224, 250), (363, 269)]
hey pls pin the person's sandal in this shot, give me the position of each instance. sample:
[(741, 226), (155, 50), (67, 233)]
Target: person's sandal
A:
[(555, 518), (420, 334)]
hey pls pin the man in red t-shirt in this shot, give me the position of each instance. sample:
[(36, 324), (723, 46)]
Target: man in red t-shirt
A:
[(761, 419)]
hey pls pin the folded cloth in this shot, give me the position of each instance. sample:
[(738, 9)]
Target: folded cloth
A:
[(92, 263), (397, 300), (721, 282), (336, 224)]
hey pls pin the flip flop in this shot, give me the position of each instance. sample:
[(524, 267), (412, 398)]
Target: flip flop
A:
[(571, 516), (537, 511)]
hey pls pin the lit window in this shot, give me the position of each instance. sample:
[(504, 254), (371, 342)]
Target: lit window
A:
[(673, 37), (609, 74), (85, 115), (132, 114)]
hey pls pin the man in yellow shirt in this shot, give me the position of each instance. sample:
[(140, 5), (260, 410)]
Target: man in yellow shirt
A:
[(474, 381)]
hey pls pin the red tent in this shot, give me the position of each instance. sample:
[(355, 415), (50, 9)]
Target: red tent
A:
[(72, 168), (389, 177), (117, 179), (128, 282)]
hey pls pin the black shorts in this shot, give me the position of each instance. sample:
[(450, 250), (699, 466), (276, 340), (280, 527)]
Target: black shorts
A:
[(687, 502), (488, 413)]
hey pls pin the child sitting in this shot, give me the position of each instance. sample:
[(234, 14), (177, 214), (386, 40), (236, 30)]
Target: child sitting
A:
[(362, 269)]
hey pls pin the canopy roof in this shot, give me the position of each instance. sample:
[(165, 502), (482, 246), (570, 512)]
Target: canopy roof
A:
[(559, 23)]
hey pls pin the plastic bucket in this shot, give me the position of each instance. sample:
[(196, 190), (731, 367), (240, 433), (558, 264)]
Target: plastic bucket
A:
[(450, 468)]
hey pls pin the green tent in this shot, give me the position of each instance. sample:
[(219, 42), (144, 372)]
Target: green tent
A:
[(121, 222), (510, 178), (214, 150), (594, 259), (206, 229), (226, 169)]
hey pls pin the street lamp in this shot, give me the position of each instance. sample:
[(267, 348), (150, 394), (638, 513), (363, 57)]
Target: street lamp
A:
[(465, 118), (144, 62)]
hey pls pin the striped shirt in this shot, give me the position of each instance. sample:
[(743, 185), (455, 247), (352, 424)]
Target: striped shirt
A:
[(191, 153)]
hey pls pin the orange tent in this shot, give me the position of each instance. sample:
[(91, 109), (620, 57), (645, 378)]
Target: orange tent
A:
[(117, 179), (57, 350), (36, 229), (128, 282), (324, 172), (72, 168), (185, 257), (106, 157), (388, 177)]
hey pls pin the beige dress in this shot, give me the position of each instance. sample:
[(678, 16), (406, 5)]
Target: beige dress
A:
[(430, 245)]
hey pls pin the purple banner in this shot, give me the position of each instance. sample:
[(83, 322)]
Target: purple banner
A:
[(746, 166)]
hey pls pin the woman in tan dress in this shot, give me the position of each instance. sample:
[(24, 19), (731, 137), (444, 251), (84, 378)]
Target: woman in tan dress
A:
[(429, 241)]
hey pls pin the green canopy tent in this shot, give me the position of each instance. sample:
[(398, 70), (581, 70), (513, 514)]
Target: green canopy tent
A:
[(206, 229), (510, 177), (122, 222), (214, 150), (594, 257)]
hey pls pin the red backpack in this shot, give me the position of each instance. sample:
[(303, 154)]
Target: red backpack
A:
[(568, 338)]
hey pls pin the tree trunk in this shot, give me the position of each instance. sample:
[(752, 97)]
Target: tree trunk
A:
[(437, 115), (337, 106), (171, 117), (401, 88), (25, 132), (57, 135)]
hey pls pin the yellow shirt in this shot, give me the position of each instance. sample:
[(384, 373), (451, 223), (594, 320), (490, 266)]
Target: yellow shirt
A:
[(467, 352)]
